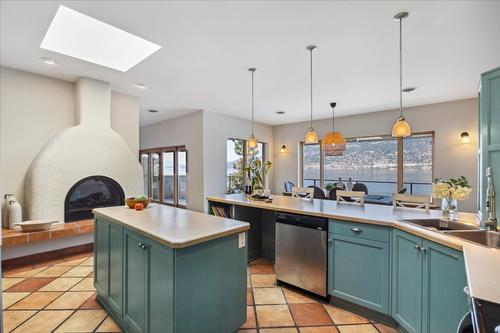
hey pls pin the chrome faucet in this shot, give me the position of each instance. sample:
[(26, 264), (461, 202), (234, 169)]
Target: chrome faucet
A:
[(491, 223)]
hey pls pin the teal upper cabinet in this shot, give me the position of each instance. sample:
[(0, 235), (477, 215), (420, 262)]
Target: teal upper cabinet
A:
[(359, 264), (407, 281), (489, 122), (428, 283), (444, 301)]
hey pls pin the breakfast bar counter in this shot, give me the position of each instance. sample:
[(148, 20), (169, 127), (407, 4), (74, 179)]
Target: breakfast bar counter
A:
[(170, 270)]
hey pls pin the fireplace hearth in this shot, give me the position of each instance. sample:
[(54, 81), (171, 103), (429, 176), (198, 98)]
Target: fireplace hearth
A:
[(89, 193)]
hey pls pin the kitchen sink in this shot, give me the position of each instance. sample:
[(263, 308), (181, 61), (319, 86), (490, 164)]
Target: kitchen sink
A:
[(439, 224), (483, 237)]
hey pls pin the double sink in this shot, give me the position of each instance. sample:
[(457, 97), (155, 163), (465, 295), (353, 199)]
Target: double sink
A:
[(461, 230)]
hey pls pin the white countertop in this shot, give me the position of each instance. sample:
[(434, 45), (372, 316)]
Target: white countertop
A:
[(174, 227), (482, 263)]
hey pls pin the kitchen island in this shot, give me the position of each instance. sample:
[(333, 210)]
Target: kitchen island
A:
[(381, 265), (166, 269)]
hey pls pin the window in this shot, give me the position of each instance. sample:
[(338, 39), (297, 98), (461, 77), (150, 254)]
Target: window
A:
[(165, 177), (237, 158), (417, 163), (311, 165), (374, 161)]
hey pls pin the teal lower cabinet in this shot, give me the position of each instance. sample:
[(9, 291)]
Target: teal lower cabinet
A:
[(148, 287), (407, 281), (360, 264), (444, 301), (428, 283)]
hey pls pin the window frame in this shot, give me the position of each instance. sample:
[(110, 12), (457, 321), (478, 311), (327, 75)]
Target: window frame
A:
[(399, 149), (160, 151), (245, 156)]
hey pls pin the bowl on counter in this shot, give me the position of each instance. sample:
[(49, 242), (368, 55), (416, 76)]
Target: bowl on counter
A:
[(130, 202)]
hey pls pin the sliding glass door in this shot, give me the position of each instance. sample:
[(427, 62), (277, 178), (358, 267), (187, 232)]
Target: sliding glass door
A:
[(165, 173)]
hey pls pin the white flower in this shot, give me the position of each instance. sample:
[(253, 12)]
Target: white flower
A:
[(460, 193), (441, 190)]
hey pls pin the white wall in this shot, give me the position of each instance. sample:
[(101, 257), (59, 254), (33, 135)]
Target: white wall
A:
[(205, 134), (448, 120), (217, 129), (186, 130), (35, 108), (125, 119)]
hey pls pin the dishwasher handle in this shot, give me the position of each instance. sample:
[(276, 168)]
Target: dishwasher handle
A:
[(304, 221)]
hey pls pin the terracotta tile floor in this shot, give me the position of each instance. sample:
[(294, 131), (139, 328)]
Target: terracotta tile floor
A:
[(272, 309), (60, 297)]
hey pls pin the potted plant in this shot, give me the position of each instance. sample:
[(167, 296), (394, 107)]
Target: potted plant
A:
[(329, 187), (450, 191), (256, 173)]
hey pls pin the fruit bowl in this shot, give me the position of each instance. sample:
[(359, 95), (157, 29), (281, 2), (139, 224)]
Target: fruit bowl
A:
[(130, 202)]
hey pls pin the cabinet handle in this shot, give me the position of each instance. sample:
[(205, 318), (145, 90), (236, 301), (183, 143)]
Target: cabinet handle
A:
[(139, 244), (423, 249), (418, 248), (329, 241), (356, 230)]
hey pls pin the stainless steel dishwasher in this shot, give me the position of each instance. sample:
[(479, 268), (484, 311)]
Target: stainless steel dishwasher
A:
[(301, 252)]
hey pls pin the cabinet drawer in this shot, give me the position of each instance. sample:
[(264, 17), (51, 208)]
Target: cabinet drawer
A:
[(360, 230)]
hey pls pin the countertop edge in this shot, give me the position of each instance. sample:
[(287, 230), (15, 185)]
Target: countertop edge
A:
[(178, 245)]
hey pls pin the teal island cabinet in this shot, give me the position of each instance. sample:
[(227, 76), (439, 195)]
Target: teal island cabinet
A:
[(166, 270)]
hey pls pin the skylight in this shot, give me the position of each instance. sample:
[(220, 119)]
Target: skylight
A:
[(80, 36)]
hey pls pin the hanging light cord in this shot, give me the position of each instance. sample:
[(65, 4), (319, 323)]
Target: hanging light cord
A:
[(252, 70), (401, 67), (311, 48), (333, 118)]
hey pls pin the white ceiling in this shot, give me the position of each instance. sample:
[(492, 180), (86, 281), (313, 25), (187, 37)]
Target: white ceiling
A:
[(208, 46)]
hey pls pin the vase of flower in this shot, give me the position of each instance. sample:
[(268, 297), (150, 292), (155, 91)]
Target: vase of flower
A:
[(449, 208), (450, 191)]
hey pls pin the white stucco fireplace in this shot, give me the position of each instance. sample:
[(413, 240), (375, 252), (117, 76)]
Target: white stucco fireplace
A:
[(90, 148)]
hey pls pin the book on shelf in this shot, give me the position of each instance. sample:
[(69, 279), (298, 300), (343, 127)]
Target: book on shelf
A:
[(220, 211)]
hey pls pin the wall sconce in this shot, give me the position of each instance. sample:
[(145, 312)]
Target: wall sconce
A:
[(465, 137), (283, 149)]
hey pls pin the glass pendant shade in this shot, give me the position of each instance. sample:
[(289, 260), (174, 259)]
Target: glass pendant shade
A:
[(252, 142), (401, 128), (311, 137)]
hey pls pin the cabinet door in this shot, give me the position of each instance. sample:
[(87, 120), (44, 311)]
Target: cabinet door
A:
[(115, 294), (489, 118), (360, 272), (101, 257), (135, 280), (444, 301), (160, 288), (407, 281)]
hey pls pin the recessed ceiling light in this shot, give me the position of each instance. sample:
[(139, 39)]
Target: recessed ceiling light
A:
[(80, 36), (140, 85), (280, 112), (152, 111), (409, 89), (48, 61)]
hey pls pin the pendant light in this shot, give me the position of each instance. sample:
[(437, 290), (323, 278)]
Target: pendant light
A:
[(334, 143), (401, 127), (252, 141), (311, 135)]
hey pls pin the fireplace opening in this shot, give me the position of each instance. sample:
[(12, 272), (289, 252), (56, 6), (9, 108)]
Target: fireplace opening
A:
[(89, 193)]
